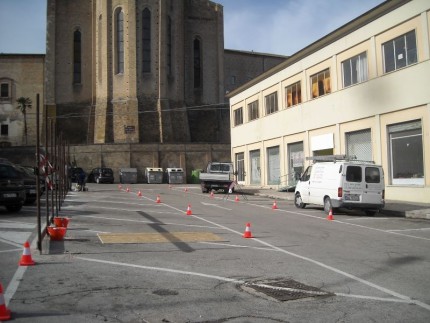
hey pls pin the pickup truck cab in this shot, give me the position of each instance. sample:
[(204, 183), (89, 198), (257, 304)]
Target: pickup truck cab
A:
[(12, 189), (217, 176)]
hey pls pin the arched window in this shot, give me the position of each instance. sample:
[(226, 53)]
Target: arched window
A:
[(197, 63), (146, 40), (77, 57), (99, 49), (169, 45), (120, 42)]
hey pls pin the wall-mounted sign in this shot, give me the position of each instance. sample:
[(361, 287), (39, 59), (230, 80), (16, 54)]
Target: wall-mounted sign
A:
[(129, 129)]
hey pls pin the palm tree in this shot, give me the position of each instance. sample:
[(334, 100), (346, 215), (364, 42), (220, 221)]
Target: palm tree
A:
[(24, 103)]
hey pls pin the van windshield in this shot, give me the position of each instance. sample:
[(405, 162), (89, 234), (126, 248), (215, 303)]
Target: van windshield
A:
[(353, 174)]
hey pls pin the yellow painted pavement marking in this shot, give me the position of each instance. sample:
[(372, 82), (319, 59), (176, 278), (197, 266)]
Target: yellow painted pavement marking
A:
[(137, 237)]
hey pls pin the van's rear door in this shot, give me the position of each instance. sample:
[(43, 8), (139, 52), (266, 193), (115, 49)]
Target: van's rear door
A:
[(373, 185)]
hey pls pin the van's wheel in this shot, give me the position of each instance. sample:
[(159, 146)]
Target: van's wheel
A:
[(370, 212), (298, 201), (327, 205)]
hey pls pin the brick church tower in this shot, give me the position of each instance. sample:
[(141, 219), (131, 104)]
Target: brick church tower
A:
[(136, 71)]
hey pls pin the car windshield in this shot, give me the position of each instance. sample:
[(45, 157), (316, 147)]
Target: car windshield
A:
[(7, 171)]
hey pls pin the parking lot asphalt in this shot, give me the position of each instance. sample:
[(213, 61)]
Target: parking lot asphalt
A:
[(127, 258), (392, 207)]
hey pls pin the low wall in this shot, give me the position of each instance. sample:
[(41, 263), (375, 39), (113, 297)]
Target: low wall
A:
[(139, 156)]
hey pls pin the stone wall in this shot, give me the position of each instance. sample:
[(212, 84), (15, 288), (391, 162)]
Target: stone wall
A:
[(140, 156)]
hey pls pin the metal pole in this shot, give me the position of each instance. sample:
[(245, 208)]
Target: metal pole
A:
[(46, 175), (39, 220), (52, 161)]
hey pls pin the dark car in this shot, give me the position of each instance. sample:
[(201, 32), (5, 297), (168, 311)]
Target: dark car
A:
[(30, 183), (101, 175), (77, 174), (12, 189)]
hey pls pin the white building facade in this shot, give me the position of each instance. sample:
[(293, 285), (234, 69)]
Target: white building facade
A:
[(362, 90)]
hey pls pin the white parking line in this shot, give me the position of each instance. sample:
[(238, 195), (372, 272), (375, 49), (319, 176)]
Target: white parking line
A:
[(318, 263), (237, 281), (343, 222), (402, 230), (11, 250)]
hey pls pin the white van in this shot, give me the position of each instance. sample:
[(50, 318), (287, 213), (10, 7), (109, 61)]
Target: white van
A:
[(341, 183)]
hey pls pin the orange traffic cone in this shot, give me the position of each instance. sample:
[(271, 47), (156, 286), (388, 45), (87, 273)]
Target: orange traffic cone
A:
[(120, 187), (189, 210), (26, 256), (212, 194), (236, 199), (330, 215), (139, 193), (274, 206), (186, 189), (248, 233), (4, 312), (158, 199)]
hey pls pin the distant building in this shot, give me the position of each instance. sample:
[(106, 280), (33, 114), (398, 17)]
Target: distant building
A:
[(140, 83), (361, 90), (21, 75), (138, 72), (242, 66)]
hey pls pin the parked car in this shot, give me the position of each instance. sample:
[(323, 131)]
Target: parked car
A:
[(101, 175), (32, 171), (30, 184), (12, 189)]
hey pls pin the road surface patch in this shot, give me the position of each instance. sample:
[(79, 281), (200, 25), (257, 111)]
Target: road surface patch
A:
[(157, 237)]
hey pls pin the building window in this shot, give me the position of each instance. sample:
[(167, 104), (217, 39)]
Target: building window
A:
[(4, 90), (197, 64), (233, 80), (293, 94), (238, 116), (77, 56), (321, 83), (253, 111), (240, 167), (359, 144), (146, 40), (406, 153), (271, 102), (296, 162), (4, 130), (254, 157), (120, 42), (400, 52), (354, 70), (273, 166)]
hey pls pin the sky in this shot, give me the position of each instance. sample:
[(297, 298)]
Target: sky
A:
[(268, 26)]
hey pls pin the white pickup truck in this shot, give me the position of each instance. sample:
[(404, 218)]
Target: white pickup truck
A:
[(217, 176)]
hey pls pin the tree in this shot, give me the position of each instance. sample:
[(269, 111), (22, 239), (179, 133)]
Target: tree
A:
[(24, 104)]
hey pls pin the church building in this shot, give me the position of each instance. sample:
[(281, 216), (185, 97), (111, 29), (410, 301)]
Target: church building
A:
[(120, 71)]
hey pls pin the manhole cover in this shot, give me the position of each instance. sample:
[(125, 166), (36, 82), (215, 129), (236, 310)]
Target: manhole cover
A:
[(285, 290)]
